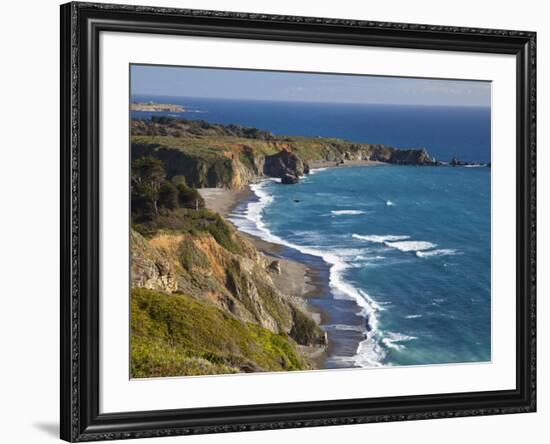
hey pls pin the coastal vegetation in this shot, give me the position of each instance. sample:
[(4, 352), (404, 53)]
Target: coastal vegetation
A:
[(174, 335), (203, 300), (232, 156)]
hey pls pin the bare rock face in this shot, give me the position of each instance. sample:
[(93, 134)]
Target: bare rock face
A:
[(412, 157), (289, 179), (457, 162), (274, 267), (286, 165), (149, 269)]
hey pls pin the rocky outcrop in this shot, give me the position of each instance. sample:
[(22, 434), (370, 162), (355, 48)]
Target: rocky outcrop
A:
[(238, 283), (274, 267), (412, 157), (286, 165), (289, 179), (401, 157), (149, 268), (232, 156), (455, 161)]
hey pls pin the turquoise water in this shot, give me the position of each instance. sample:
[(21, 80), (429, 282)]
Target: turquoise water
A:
[(407, 257), (404, 252)]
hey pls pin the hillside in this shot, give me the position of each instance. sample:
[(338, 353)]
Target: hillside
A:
[(203, 300), (203, 297), (212, 155)]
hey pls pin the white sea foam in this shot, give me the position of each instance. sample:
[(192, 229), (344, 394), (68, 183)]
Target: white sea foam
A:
[(393, 340), (369, 353), (316, 170), (402, 243), (410, 245), (415, 316), (369, 258), (347, 212), (344, 327), (441, 252), (380, 239)]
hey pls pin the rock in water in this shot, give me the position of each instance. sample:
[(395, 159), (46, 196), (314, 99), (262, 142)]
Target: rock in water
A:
[(456, 162), (289, 179), (283, 163)]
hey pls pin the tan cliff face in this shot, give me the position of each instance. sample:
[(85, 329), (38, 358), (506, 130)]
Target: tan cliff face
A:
[(149, 268), (241, 174), (230, 162), (197, 266)]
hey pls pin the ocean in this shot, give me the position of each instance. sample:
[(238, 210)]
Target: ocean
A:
[(406, 251), (444, 131)]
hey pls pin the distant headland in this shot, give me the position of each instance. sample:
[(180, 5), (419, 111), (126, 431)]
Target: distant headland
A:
[(156, 107)]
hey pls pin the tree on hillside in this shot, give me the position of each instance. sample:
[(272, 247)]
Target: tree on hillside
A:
[(153, 194), (189, 197), (168, 196), (147, 179)]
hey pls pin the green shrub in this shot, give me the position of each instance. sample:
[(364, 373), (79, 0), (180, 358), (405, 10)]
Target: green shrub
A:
[(304, 329), (177, 335), (223, 233), (189, 197), (147, 178), (168, 196), (191, 256)]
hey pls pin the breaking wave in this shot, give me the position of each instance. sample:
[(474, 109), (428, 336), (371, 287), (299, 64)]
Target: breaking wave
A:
[(441, 252), (347, 212), (369, 352), (380, 239), (411, 245)]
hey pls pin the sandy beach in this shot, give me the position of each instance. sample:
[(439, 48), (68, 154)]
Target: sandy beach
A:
[(296, 280), (223, 200)]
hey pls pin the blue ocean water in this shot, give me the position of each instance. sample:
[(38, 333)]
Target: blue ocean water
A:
[(409, 245), (406, 249), (444, 131)]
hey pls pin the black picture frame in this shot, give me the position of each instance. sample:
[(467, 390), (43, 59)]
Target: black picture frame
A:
[(81, 25)]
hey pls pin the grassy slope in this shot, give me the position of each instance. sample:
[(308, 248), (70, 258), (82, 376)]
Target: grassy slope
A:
[(307, 148), (187, 333), (174, 335)]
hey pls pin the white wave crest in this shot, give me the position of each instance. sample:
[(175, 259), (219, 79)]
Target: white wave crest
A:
[(393, 340), (411, 245), (441, 252), (316, 170), (347, 212), (369, 353), (379, 239), (415, 316)]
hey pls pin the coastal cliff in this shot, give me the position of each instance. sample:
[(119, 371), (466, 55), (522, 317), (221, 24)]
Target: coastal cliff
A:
[(232, 156), (203, 300)]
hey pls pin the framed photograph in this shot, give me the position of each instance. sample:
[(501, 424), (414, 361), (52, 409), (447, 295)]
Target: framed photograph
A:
[(273, 222)]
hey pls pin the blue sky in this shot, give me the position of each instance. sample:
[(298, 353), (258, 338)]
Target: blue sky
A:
[(302, 87)]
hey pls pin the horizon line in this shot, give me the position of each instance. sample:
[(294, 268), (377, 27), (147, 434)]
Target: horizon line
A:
[(489, 106)]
